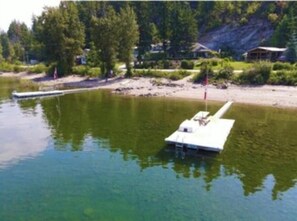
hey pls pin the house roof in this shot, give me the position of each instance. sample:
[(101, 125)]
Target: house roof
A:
[(273, 49), (197, 47)]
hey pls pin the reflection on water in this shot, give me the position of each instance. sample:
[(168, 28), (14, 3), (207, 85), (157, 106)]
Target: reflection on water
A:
[(262, 142), (19, 133), (106, 154)]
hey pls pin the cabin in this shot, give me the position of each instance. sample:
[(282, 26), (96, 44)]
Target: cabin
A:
[(197, 51), (201, 51), (82, 59), (265, 53)]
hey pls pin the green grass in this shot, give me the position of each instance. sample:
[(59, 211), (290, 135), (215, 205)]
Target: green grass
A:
[(217, 64), (240, 65)]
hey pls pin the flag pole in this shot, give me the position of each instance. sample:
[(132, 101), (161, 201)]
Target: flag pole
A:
[(205, 89)]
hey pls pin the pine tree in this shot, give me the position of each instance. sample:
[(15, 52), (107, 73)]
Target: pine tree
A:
[(143, 12), (7, 48), (128, 36), (1, 57), (291, 53), (21, 39), (104, 34), (184, 29)]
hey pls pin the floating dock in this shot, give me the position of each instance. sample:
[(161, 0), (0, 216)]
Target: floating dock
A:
[(203, 132), (36, 94)]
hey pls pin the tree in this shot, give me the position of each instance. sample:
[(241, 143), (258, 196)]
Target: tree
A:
[(20, 38), (104, 34), (291, 53), (284, 30), (1, 57), (87, 10), (7, 48), (164, 26), (184, 28), (61, 35), (143, 12), (128, 36)]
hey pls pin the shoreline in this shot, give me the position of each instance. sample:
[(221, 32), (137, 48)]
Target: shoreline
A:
[(266, 95)]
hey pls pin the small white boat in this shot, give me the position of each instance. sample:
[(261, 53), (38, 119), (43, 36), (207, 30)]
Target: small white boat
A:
[(203, 132), (36, 94)]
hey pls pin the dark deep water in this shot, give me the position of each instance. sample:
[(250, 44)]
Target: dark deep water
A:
[(97, 156)]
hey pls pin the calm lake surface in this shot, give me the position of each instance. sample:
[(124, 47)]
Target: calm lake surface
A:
[(97, 156)]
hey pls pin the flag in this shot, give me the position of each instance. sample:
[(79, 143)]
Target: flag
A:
[(205, 87), (206, 80), (55, 73)]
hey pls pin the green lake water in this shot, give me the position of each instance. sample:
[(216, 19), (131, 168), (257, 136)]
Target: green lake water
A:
[(98, 156)]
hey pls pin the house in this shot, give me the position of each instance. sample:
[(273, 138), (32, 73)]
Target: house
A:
[(157, 48), (201, 51), (196, 50), (82, 59), (264, 53)]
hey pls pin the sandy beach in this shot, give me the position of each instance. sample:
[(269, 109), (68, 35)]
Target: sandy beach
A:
[(278, 96)]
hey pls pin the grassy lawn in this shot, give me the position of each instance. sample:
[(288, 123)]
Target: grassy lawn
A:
[(237, 65), (240, 65)]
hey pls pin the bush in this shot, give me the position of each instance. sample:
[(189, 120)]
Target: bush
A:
[(205, 70), (177, 75), (154, 56), (166, 64), (80, 70), (258, 74), (174, 75), (94, 72), (225, 73), (39, 68), (283, 78), (282, 66), (18, 68), (4, 66), (198, 77), (210, 61), (187, 64)]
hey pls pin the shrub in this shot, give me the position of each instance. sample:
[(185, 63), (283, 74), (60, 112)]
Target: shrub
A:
[(80, 70), (166, 64), (187, 64), (198, 77), (258, 74), (225, 73), (210, 61), (94, 72), (154, 56), (7, 67), (282, 66), (18, 68), (177, 75), (39, 68), (278, 78), (174, 75), (4, 66), (205, 70), (283, 78)]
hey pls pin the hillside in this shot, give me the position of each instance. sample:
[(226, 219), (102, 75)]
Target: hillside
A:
[(238, 39)]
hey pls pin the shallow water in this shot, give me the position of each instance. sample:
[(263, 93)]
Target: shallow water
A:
[(97, 156)]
